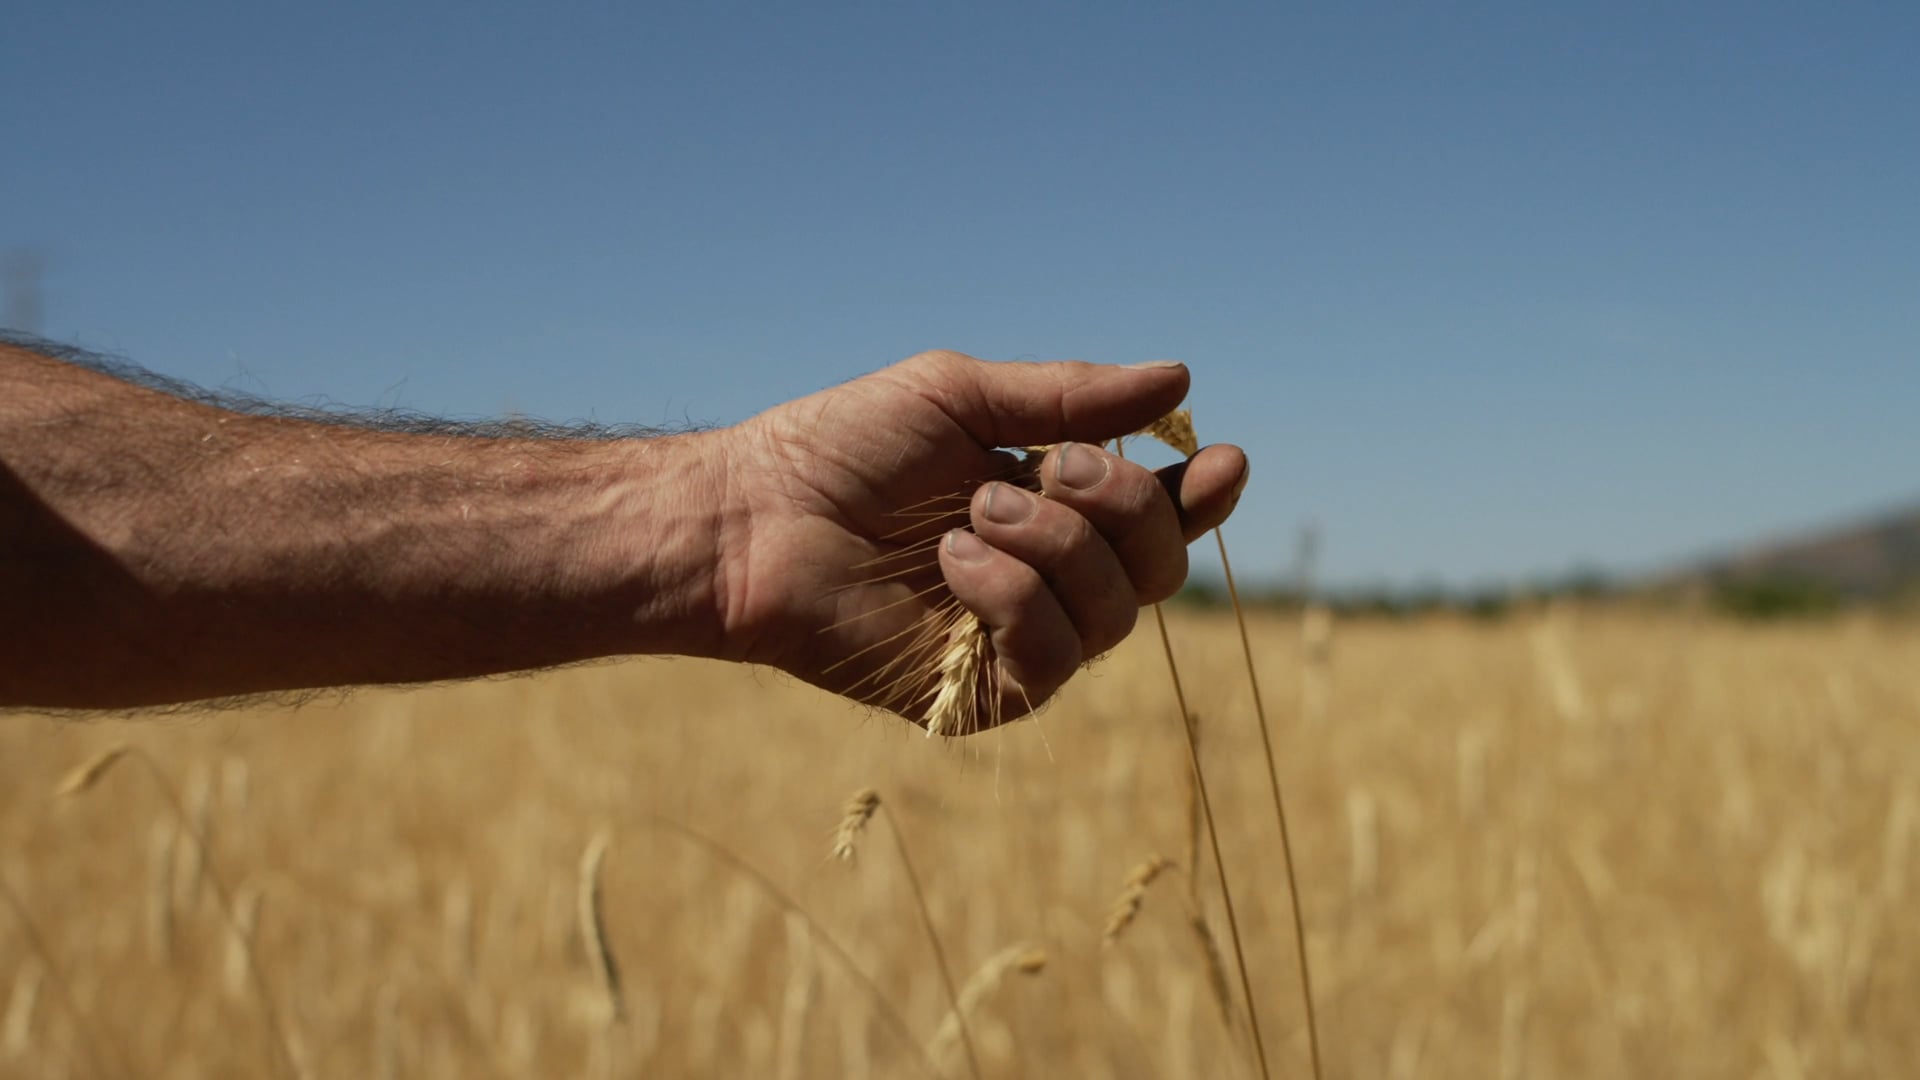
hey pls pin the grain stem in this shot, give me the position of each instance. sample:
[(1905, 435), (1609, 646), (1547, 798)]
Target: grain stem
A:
[(1279, 806), (933, 940), (56, 979), (773, 892), (91, 773)]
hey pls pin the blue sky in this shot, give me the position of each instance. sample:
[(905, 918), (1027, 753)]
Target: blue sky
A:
[(1486, 291)]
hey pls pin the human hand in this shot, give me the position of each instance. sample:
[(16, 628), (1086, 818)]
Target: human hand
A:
[(851, 516)]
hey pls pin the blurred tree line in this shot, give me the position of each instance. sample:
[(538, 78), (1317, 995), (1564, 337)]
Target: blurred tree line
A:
[(1753, 598)]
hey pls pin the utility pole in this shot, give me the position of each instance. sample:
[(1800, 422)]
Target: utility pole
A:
[(1306, 557), (22, 272)]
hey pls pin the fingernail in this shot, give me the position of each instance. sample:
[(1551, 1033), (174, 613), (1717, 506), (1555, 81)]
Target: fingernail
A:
[(966, 547), (1151, 364), (1008, 505), (1079, 467), (1240, 485)]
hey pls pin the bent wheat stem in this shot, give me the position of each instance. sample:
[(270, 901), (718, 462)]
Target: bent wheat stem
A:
[(863, 805), (89, 774), (884, 1006), (1177, 431), (56, 978), (1213, 839), (1279, 810)]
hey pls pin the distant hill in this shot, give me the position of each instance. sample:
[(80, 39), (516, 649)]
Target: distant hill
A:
[(1876, 559)]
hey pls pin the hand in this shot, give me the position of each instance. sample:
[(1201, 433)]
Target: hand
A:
[(846, 523)]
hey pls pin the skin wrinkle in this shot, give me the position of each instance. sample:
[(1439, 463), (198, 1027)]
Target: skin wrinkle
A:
[(922, 437)]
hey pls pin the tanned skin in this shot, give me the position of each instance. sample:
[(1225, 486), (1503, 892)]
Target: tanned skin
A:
[(156, 549)]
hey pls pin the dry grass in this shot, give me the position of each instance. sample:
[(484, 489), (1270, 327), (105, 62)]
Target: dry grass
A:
[(1583, 845)]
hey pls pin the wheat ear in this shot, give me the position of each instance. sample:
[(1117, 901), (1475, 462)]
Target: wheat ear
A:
[(943, 672), (853, 821), (1022, 959), (593, 928), (1126, 909)]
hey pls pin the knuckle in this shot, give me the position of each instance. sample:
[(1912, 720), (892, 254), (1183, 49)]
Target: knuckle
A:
[(1054, 539), (939, 359), (1116, 623), (1022, 591), (1076, 536), (1061, 661), (1045, 661), (1131, 496), (1162, 577)]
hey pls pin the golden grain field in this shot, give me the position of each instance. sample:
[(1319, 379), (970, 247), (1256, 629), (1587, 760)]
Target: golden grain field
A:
[(1569, 844)]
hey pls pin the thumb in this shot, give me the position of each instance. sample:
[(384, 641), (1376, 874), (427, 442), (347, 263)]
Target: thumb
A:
[(1023, 404)]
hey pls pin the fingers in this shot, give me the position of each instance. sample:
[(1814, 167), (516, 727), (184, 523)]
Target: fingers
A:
[(1035, 642), (1061, 578), (1129, 509), (1147, 518), (1206, 487), (1023, 404), (1084, 572)]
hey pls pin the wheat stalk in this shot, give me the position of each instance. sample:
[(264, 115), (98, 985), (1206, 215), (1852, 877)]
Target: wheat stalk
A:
[(89, 774), (1213, 836), (161, 840), (883, 1004), (92, 1032), (1176, 430), (246, 916), (1196, 824), (1363, 843), (796, 1002), (456, 915), (859, 810), (16, 1031), (199, 801)]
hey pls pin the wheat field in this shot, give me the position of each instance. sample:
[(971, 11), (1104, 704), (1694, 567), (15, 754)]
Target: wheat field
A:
[(1572, 843)]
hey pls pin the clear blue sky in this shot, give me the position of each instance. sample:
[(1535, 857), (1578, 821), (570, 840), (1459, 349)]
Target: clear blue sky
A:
[(1486, 291)]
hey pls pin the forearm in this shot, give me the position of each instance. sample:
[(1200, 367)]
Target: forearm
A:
[(159, 550)]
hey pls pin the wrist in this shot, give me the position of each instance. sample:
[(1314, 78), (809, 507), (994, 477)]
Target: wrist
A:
[(660, 554), (755, 552)]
